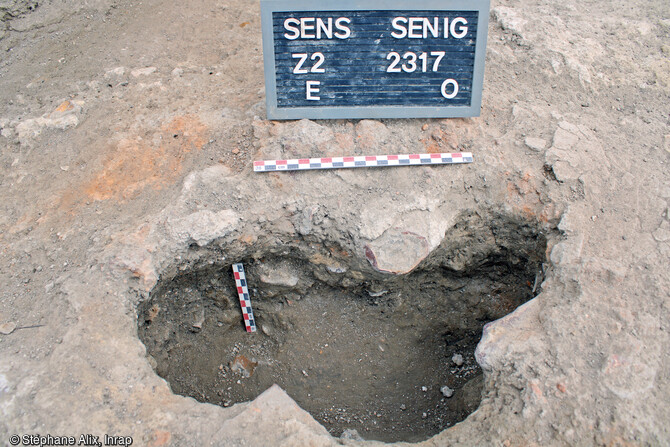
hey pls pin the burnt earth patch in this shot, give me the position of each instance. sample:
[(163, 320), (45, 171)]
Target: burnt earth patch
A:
[(382, 357)]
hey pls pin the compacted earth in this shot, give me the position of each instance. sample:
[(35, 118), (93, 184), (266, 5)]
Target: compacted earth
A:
[(522, 299)]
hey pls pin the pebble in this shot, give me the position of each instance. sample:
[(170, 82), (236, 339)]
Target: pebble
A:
[(352, 434), (424, 415), (457, 359), (7, 328), (403, 407), (424, 389), (446, 391), (142, 71)]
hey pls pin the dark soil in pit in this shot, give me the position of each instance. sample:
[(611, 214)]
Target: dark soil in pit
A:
[(371, 358)]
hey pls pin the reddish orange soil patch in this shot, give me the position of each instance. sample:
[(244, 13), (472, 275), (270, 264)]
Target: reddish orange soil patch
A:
[(160, 438), (135, 165), (450, 135), (523, 194)]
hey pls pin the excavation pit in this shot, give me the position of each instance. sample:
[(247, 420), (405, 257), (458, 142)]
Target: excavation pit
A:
[(367, 354)]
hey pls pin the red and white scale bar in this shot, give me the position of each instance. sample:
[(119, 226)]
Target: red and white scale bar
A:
[(362, 161), (245, 300)]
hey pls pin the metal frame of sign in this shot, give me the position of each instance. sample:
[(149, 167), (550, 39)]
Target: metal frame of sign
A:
[(268, 7)]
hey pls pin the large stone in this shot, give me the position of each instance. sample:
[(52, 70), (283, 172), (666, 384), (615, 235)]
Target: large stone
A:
[(278, 274), (203, 226), (397, 251), (275, 419), (512, 333)]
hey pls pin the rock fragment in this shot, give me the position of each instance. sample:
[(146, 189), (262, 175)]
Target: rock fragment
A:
[(243, 365), (203, 226), (65, 116), (446, 391), (352, 434), (278, 274), (536, 144), (7, 328), (397, 251), (142, 71)]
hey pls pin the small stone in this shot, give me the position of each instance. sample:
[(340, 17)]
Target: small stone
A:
[(352, 434), (403, 407), (424, 415), (152, 313), (662, 233), (424, 389), (335, 267), (243, 365), (7, 328), (142, 71), (278, 274), (536, 144), (378, 293), (152, 362), (235, 151), (446, 391), (304, 373), (196, 326), (114, 72), (457, 359)]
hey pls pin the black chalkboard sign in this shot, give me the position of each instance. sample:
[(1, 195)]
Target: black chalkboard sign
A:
[(374, 58)]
